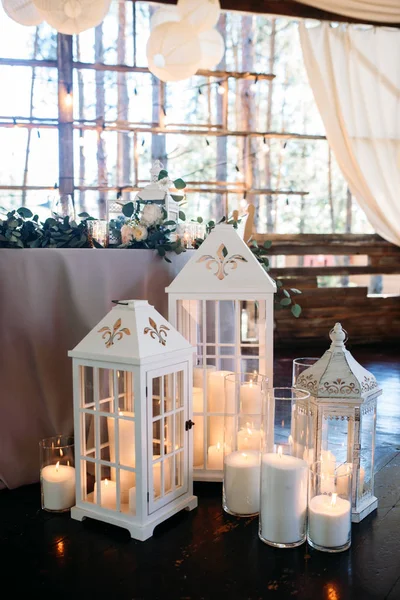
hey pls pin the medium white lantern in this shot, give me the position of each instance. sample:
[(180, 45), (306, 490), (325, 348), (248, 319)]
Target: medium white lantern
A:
[(173, 51), (201, 14), (212, 48), (222, 302), (132, 408), (341, 416), (73, 16), (23, 12), (166, 14)]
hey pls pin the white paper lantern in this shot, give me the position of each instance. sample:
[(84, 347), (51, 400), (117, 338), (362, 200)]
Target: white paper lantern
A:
[(201, 14), (73, 16), (23, 12), (212, 48), (173, 51), (167, 14)]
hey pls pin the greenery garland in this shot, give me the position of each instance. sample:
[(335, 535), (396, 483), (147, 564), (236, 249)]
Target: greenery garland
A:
[(22, 229)]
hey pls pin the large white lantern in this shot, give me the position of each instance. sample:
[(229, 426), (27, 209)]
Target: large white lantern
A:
[(212, 48), (166, 14), (132, 408), (341, 416), (201, 14), (173, 51), (222, 302)]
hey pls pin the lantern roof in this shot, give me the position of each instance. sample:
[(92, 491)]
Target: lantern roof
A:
[(133, 332), (156, 190), (337, 374), (223, 264)]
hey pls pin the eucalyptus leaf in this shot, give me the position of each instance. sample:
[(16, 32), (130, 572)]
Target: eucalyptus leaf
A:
[(285, 302), (182, 216), (296, 310), (128, 209), (179, 184), (25, 212), (162, 174), (267, 244), (295, 291), (176, 198), (286, 293)]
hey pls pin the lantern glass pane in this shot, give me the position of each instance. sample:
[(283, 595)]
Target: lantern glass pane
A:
[(215, 431), (87, 385), (168, 474), (226, 314), (179, 465), (168, 434), (168, 392), (157, 473), (211, 321), (179, 429), (179, 396), (88, 437), (190, 320), (125, 392), (156, 387), (336, 434), (106, 390), (157, 438), (366, 454), (249, 322)]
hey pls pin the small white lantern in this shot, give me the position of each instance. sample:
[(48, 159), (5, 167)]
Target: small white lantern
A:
[(222, 302), (158, 193), (132, 407), (342, 419)]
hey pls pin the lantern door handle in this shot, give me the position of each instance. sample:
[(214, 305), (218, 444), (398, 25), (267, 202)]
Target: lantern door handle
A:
[(189, 424)]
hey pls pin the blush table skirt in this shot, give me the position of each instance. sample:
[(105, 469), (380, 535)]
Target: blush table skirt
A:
[(49, 300)]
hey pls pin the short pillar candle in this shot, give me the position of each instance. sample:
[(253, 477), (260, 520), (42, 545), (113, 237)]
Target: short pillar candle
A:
[(57, 473)]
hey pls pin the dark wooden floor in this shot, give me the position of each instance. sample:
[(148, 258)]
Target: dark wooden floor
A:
[(207, 553)]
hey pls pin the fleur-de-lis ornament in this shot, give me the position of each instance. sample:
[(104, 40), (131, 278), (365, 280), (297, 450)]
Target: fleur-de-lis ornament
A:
[(222, 261), (157, 333), (114, 335)]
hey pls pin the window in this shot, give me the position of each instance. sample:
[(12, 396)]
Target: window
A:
[(229, 135)]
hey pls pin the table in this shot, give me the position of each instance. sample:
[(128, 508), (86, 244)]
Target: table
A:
[(49, 300)]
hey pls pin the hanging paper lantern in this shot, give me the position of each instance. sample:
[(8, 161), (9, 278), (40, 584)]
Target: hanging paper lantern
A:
[(173, 51), (201, 14), (23, 12), (167, 14), (212, 48), (73, 16)]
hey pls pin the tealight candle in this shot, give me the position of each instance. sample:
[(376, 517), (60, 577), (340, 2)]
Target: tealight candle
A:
[(242, 483), (58, 487)]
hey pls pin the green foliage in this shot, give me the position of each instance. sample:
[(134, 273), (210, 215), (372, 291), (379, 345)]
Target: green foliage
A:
[(21, 229)]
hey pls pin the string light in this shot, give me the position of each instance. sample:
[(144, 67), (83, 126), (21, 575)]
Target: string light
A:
[(253, 87), (68, 98), (221, 89), (81, 140), (265, 147)]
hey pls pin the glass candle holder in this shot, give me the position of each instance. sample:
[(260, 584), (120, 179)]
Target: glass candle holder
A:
[(98, 230), (283, 504), (300, 365), (244, 398), (57, 473), (329, 507)]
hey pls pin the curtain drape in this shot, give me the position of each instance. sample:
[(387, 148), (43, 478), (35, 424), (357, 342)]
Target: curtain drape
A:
[(355, 77), (385, 11)]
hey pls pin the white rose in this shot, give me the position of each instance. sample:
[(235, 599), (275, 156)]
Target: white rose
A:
[(126, 234), (151, 214), (139, 233)]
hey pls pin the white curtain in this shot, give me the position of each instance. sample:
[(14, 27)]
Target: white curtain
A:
[(355, 76), (381, 11)]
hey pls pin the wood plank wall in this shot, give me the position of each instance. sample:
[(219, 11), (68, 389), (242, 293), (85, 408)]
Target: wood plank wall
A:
[(368, 319)]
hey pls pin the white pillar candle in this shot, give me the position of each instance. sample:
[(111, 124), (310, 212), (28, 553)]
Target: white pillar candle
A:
[(328, 467), (215, 457), (329, 520), (242, 482), (216, 393), (249, 438), (198, 374), (283, 498), (58, 486), (216, 430), (250, 398), (126, 431), (198, 399), (108, 491)]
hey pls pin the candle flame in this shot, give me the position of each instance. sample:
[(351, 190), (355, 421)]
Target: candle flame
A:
[(106, 482), (244, 454), (57, 465), (121, 414), (61, 452), (280, 451), (283, 423), (333, 501), (67, 463), (251, 383), (249, 431), (218, 446), (290, 439)]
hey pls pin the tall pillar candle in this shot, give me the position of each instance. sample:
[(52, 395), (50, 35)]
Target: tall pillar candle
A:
[(329, 521), (216, 393), (283, 499), (198, 430), (250, 398), (242, 483), (198, 374), (126, 430), (58, 487)]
